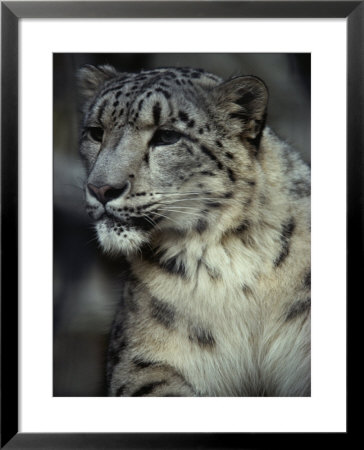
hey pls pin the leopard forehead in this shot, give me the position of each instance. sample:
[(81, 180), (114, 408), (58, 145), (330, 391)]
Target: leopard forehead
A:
[(171, 77), (129, 97)]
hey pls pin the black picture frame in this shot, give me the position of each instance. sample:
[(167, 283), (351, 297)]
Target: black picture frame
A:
[(11, 12)]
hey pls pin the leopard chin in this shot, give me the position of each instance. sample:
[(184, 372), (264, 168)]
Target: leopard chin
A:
[(116, 238)]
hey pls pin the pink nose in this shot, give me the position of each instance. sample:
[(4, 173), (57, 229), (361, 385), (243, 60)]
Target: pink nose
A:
[(107, 193)]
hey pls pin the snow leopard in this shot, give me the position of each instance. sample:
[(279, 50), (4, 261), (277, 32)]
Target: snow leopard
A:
[(211, 210)]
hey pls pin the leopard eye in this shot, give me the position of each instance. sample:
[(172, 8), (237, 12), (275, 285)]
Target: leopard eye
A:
[(96, 133), (165, 137)]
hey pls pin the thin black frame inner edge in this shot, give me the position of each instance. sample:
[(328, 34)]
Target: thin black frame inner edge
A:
[(11, 12)]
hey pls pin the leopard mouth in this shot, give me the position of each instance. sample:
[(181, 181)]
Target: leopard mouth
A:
[(119, 236), (119, 224)]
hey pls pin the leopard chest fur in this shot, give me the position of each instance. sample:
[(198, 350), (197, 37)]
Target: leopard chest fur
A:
[(203, 316)]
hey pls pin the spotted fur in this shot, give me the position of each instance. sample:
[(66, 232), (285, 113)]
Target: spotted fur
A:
[(212, 211)]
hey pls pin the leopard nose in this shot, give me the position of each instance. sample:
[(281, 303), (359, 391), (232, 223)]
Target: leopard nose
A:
[(107, 193)]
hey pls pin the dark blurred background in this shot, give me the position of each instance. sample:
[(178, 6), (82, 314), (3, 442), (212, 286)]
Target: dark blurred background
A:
[(87, 283)]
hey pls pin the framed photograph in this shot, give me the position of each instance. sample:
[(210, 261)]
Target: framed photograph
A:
[(83, 83)]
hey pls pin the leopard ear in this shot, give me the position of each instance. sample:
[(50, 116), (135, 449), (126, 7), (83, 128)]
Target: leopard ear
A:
[(245, 100), (90, 78)]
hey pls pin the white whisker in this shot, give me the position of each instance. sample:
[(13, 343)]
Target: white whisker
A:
[(178, 193), (148, 219), (182, 212), (207, 199), (91, 240), (178, 207), (166, 217), (151, 221)]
